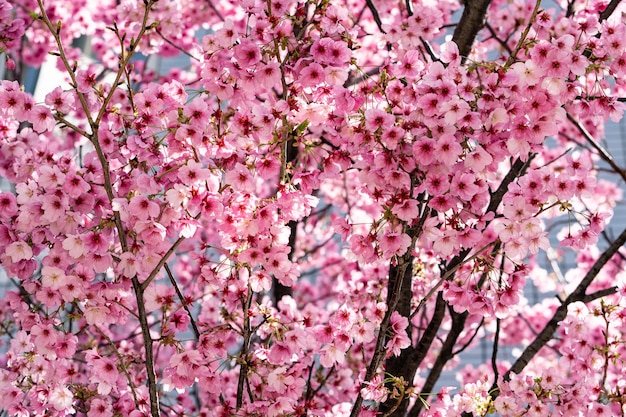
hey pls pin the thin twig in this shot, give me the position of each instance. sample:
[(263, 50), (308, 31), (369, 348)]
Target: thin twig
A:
[(162, 262), (217, 12), (173, 45), (449, 274), (358, 80), (579, 294), (125, 57), (469, 342), (620, 99), (55, 31), (322, 383), (69, 124), (610, 8), (522, 38), (494, 352), (603, 153), (122, 365), (243, 355), (372, 7), (502, 42), (182, 299), (429, 49)]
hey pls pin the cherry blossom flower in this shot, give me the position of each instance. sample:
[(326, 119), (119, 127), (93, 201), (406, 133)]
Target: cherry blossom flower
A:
[(99, 408), (86, 80), (61, 398), (19, 251), (53, 277), (143, 208), (447, 150), (312, 75), (378, 119), (394, 244), (232, 226), (375, 390), (247, 54)]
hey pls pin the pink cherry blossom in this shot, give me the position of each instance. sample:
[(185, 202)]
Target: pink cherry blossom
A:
[(288, 208), (19, 251)]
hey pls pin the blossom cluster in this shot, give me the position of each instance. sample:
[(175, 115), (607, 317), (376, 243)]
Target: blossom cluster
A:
[(320, 149)]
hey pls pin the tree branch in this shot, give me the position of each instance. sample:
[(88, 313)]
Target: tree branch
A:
[(471, 23), (182, 299), (610, 8), (245, 346), (409, 360), (522, 38), (445, 354), (147, 344), (374, 11), (579, 294), (599, 294), (162, 262), (404, 262), (603, 153)]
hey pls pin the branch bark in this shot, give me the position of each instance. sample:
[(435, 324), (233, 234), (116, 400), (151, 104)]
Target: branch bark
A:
[(406, 364), (603, 153), (472, 21), (290, 153), (579, 294), (245, 348), (458, 324), (610, 8), (404, 262)]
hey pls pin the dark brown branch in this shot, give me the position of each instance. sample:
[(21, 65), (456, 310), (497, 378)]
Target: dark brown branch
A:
[(429, 49), (599, 294), (570, 8), (245, 346), (494, 352), (404, 262), (579, 294), (279, 290), (620, 99), (602, 153), (406, 364), (606, 13), (609, 239), (182, 300), (374, 11), (396, 365), (409, 7), (147, 343), (445, 354), (365, 76), (471, 23), (517, 170)]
